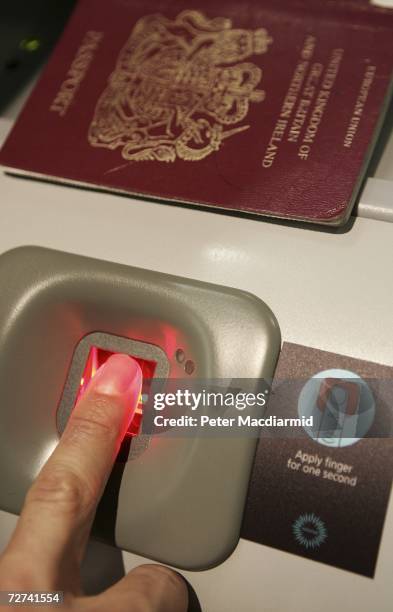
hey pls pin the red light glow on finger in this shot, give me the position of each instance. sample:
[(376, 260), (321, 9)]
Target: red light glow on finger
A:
[(96, 358)]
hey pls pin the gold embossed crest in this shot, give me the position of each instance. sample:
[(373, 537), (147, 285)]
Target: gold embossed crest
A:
[(180, 87)]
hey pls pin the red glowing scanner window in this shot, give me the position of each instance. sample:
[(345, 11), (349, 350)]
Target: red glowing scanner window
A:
[(96, 358)]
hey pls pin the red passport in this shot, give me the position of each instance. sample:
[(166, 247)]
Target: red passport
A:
[(266, 107)]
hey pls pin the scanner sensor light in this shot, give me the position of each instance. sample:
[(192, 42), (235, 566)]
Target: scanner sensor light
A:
[(96, 358)]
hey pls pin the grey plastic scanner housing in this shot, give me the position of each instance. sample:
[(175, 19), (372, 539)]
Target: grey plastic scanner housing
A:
[(179, 502)]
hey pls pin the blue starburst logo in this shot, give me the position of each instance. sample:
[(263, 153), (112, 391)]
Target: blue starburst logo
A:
[(309, 530)]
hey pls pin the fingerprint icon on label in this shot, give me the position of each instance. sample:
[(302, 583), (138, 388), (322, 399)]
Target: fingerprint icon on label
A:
[(342, 406)]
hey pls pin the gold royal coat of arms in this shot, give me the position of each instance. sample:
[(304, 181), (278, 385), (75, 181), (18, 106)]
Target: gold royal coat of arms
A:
[(179, 89)]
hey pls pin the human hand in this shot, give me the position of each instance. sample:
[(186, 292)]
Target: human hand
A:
[(47, 546)]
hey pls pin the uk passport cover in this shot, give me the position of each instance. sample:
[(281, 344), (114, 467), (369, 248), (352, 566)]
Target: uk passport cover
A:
[(270, 108)]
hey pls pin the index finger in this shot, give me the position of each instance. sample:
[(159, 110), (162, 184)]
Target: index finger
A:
[(61, 503)]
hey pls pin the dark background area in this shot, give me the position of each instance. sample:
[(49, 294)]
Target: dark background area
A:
[(28, 32)]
